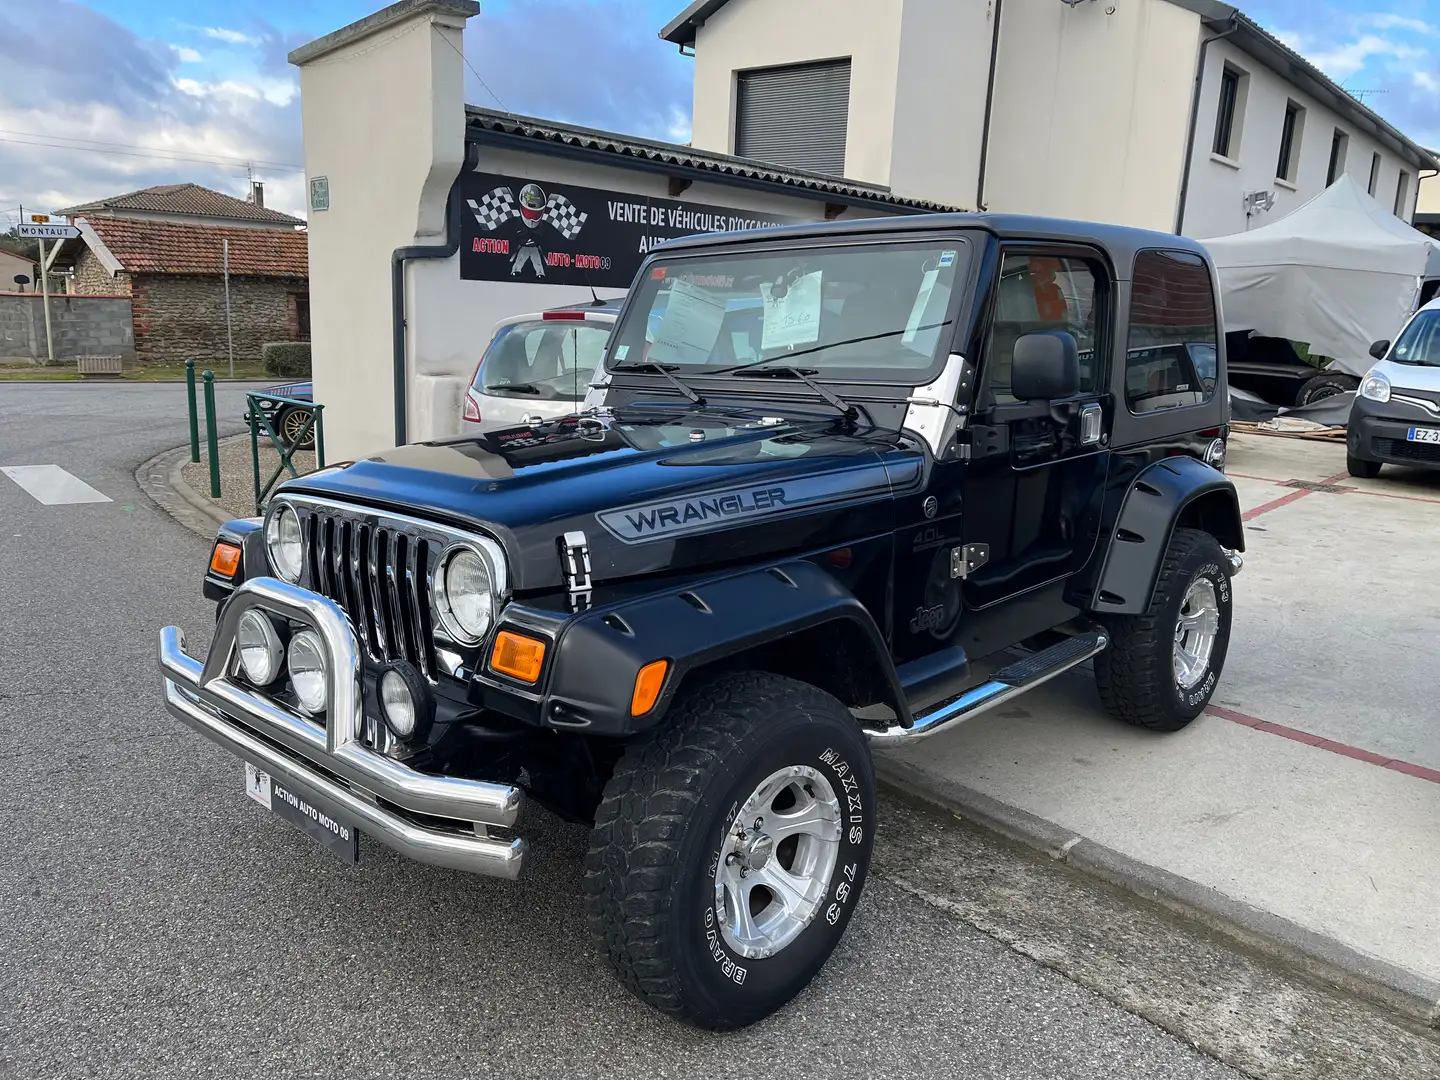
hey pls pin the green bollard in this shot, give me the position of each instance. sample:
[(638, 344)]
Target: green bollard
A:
[(210, 440), (255, 452), (194, 416)]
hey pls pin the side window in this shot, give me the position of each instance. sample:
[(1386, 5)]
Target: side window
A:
[(1043, 292), (1171, 358)]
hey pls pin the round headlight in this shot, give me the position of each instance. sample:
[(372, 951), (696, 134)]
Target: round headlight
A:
[(397, 703), (1215, 454), (1376, 387), (260, 651), (283, 544), (306, 657), (467, 599)]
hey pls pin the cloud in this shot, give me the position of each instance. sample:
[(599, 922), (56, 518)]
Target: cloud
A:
[(1397, 22), (597, 64), (1426, 81), (230, 37), (1342, 61), (186, 55), (87, 81)]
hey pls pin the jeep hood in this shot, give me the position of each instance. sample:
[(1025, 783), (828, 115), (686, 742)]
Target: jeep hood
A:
[(686, 492)]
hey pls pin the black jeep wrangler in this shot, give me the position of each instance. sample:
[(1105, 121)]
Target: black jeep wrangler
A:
[(827, 472)]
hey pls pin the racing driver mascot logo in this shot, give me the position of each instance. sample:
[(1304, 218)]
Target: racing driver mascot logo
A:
[(500, 211)]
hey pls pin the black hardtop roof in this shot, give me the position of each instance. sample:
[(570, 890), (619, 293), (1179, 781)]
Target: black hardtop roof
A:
[(1120, 242)]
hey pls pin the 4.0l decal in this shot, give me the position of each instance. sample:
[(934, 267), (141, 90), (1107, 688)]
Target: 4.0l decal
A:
[(664, 519)]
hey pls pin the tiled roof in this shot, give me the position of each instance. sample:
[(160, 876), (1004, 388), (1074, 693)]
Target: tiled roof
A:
[(185, 199), (509, 129), (157, 247)]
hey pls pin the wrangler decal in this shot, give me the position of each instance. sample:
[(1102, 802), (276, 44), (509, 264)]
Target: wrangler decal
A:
[(717, 509)]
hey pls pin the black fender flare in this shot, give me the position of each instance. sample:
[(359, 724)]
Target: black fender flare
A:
[(1160, 497), (248, 534), (600, 652)]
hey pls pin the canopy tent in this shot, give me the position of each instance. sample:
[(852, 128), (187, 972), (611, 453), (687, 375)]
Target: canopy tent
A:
[(1338, 273)]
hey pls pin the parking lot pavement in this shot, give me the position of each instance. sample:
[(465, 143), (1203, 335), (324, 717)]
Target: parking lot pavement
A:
[(157, 923), (1303, 806)]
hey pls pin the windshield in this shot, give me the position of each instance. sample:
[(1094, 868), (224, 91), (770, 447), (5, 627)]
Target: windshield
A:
[(877, 312), (1419, 343), (546, 360)]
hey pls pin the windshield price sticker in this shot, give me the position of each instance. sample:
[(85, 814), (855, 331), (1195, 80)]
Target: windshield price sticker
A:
[(926, 314), (793, 318), (691, 325)]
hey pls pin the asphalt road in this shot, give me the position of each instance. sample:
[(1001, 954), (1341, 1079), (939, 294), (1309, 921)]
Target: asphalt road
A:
[(157, 923)]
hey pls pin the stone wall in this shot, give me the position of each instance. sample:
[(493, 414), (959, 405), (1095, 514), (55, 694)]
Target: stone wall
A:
[(92, 279), (79, 326), (178, 316)]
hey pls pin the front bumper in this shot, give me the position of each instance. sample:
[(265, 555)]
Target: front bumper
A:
[(441, 820), (1379, 431)]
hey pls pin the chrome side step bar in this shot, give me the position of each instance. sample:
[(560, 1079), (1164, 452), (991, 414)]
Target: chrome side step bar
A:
[(1010, 681)]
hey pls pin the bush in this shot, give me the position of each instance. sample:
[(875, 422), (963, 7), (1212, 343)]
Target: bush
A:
[(287, 359)]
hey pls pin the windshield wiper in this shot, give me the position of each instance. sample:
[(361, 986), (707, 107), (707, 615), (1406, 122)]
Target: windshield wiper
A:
[(803, 374), (663, 369), (513, 388)]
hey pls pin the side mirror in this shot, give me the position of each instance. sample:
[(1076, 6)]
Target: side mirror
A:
[(1045, 365), (1379, 349)]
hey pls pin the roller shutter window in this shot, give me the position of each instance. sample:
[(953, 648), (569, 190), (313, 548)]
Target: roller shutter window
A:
[(795, 116)]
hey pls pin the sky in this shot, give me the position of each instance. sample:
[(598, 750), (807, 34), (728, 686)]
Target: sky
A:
[(103, 97)]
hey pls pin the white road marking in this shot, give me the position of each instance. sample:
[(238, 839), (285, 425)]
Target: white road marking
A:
[(52, 485)]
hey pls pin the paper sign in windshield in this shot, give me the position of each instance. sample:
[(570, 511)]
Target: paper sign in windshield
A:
[(690, 327), (792, 319), (926, 314)]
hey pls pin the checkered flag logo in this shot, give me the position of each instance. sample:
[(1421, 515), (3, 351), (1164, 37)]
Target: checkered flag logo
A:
[(495, 208), (564, 215)]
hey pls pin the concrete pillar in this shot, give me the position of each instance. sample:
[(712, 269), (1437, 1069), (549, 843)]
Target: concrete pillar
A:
[(383, 114)]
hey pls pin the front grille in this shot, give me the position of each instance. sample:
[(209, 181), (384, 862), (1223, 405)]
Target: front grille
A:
[(379, 571), (1404, 450)]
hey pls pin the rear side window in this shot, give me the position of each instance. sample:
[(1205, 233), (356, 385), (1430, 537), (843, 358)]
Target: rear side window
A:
[(1172, 355), (547, 360)]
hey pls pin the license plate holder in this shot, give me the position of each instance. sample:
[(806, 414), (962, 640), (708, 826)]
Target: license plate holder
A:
[(1423, 435), (308, 812)]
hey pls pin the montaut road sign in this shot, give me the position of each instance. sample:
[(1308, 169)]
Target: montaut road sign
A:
[(48, 232)]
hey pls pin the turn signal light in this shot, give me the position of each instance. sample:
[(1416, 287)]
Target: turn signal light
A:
[(518, 656), (647, 687), (225, 560)]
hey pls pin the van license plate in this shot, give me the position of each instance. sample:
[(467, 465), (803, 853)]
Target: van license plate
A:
[(1424, 434), (307, 813)]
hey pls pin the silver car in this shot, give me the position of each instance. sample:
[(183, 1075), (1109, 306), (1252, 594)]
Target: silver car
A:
[(538, 366)]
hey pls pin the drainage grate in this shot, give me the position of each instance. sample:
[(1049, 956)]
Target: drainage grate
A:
[(1312, 485)]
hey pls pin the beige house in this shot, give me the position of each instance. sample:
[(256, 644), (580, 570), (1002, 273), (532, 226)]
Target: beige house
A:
[(13, 265), (1180, 115)]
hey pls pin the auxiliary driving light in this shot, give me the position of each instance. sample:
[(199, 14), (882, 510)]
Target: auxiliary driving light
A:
[(261, 653), (308, 674), (405, 704)]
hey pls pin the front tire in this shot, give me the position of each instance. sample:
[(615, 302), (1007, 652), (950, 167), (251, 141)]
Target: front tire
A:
[(730, 848), (1161, 667), (1360, 468)]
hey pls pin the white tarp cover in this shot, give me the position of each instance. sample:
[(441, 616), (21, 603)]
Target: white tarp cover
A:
[(1337, 273)]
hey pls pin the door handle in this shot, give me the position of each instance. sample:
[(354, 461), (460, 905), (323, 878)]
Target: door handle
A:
[(1092, 423)]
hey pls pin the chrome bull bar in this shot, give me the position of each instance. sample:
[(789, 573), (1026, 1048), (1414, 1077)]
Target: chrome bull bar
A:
[(332, 760)]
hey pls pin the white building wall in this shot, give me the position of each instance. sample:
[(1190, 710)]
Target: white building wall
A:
[(383, 118), (764, 33), (1218, 186), (944, 66), (1091, 110)]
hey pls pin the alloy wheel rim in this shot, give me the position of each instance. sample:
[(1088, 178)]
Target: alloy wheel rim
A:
[(294, 424), (1195, 632), (777, 860)]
